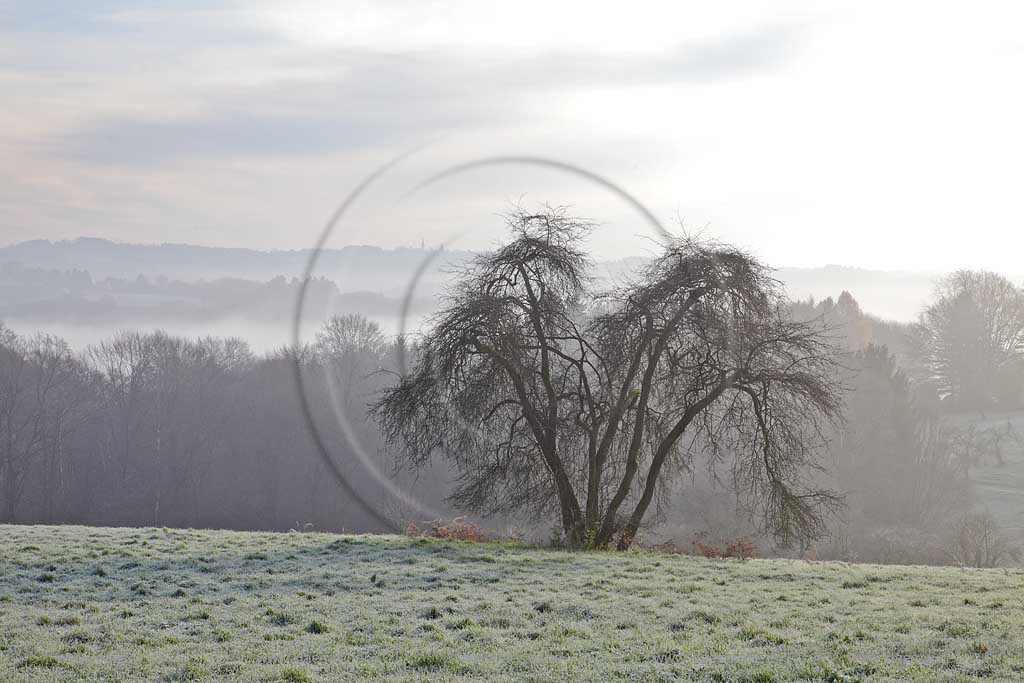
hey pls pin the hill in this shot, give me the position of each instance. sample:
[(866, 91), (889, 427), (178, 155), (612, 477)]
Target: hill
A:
[(83, 289), (891, 295), (103, 604), (353, 268)]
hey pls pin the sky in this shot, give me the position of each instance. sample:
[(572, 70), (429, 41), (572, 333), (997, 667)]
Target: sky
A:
[(883, 135)]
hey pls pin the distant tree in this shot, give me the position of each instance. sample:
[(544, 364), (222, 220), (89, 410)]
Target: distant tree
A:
[(347, 354), (126, 362), (41, 404), (854, 327), (977, 541), (977, 444), (550, 397), (894, 461), (350, 333), (348, 351), (971, 340), (193, 381)]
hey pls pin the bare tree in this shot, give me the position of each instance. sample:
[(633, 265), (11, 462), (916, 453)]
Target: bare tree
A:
[(977, 541), (548, 396), (971, 340), (191, 382), (126, 362), (41, 403), (350, 348), (347, 334)]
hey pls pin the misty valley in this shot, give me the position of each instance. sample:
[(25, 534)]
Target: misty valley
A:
[(532, 342)]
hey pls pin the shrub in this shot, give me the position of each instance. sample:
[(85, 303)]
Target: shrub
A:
[(457, 529), (742, 548), (977, 541)]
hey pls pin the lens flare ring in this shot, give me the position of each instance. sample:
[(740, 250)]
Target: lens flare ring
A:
[(333, 223)]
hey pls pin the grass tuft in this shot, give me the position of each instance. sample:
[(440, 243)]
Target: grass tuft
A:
[(294, 674), (317, 627), (43, 662)]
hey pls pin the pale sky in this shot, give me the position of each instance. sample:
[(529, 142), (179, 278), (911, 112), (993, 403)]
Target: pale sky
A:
[(874, 134)]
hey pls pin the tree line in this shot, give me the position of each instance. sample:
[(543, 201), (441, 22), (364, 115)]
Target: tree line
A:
[(153, 429)]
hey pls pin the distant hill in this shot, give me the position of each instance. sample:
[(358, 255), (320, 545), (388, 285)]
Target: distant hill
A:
[(85, 288), (353, 268), (388, 272)]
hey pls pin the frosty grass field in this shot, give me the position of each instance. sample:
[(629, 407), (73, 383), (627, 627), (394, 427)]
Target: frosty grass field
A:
[(97, 604)]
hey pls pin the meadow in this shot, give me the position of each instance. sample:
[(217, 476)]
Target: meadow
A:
[(102, 604), (1000, 485)]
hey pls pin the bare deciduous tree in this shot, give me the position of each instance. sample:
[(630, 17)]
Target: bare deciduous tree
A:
[(41, 403), (977, 541), (971, 340), (548, 396)]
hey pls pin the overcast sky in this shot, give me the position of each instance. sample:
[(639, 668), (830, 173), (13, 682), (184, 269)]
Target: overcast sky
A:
[(884, 135)]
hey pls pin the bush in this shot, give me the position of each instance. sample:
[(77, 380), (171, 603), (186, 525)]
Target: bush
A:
[(457, 529), (977, 541), (742, 548)]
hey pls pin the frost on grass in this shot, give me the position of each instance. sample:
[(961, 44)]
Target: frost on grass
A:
[(88, 604)]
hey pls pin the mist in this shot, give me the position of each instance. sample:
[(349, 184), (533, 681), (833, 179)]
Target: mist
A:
[(575, 342)]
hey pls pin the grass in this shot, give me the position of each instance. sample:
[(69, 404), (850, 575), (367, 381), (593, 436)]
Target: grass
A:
[(1000, 488), (177, 605)]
